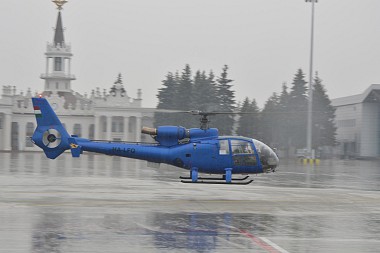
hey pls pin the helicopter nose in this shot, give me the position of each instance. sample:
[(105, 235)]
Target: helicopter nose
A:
[(273, 161), (269, 159)]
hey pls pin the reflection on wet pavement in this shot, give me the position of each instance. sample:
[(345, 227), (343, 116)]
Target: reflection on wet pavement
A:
[(112, 204)]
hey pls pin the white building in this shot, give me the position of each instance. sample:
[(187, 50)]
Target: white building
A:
[(106, 115), (358, 123)]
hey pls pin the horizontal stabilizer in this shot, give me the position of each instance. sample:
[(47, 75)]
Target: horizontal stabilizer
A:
[(76, 149)]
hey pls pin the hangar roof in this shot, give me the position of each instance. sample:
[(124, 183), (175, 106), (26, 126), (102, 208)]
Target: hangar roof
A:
[(370, 95)]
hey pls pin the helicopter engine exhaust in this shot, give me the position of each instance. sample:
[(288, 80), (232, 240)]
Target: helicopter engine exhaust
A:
[(149, 130)]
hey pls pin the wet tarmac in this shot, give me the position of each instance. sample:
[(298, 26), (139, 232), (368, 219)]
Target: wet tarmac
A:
[(109, 204)]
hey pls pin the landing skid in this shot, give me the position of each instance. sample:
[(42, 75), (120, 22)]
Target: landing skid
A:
[(216, 180)]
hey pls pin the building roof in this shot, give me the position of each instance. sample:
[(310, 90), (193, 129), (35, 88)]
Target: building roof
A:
[(58, 35), (371, 94)]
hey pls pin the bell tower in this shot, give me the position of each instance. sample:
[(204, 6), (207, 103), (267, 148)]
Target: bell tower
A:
[(58, 54)]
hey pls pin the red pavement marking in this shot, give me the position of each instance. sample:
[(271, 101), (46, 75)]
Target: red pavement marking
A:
[(259, 242)]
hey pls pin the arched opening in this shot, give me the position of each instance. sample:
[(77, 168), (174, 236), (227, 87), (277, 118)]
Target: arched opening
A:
[(132, 128), (77, 130), (91, 132), (117, 124), (29, 134), (14, 136)]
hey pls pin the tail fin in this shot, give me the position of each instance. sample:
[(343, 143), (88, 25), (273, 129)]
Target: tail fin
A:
[(50, 135)]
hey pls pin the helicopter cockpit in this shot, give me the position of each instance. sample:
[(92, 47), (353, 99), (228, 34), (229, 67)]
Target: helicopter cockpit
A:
[(268, 157)]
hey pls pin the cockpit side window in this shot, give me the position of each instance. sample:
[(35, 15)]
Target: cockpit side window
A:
[(224, 148), (242, 153), (241, 147)]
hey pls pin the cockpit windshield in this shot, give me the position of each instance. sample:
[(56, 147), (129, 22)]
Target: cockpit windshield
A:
[(267, 156)]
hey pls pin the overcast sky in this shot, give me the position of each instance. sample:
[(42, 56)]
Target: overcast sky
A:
[(263, 42)]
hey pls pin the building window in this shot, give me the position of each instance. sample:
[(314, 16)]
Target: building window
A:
[(117, 124), (77, 130), (1, 123), (91, 131), (57, 64), (104, 126), (113, 126), (132, 125), (346, 123), (56, 86), (29, 133)]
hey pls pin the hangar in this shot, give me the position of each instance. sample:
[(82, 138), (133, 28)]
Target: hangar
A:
[(358, 124)]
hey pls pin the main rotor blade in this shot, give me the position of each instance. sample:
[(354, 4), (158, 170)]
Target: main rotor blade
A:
[(169, 111)]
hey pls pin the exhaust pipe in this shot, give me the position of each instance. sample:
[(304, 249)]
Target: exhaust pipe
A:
[(148, 130)]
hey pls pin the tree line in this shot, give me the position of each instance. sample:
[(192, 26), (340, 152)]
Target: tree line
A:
[(281, 123)]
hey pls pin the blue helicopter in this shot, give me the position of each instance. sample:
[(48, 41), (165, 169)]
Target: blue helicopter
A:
[(199, 150)]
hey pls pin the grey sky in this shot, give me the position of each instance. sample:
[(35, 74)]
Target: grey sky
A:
[(264, 42)]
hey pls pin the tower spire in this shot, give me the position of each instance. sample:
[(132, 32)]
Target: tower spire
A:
[(58, 59), (58, 35)]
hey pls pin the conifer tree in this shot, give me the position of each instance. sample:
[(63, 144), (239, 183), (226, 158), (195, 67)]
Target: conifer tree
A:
[(226, 103), (212, 93), (175, 95), (184, 89), (119, 80), (324, 129), (297, 110), (184, 96), (203, 95), (202, 92), (249, 123), (283, 119), (269, 120), (166, 100)]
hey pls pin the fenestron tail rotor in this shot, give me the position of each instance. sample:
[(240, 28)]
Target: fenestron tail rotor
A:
[(51, 138)]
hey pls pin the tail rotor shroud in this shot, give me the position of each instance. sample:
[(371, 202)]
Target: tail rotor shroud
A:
[(51, 138)]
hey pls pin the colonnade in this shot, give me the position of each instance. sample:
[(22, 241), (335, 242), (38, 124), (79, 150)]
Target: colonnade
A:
[(124, 134), (127, 134)]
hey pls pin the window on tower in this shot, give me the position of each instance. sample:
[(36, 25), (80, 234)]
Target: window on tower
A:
[(57, 64)]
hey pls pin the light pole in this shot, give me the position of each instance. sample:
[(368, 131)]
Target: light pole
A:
[(310, 105)]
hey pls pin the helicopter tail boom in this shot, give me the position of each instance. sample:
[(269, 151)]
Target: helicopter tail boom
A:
[(53, 139)]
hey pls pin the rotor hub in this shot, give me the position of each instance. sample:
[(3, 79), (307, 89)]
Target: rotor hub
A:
[(51, 138)]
